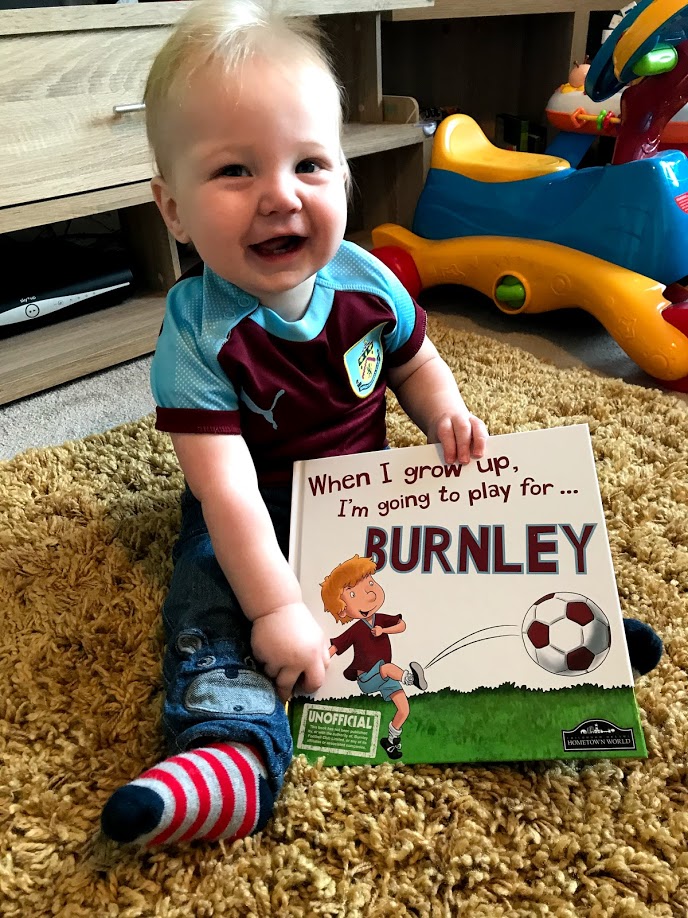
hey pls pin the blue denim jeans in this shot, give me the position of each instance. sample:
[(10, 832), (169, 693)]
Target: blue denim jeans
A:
[(214, 690)]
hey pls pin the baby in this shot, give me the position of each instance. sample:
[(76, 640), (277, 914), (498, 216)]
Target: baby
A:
[(281, 350)]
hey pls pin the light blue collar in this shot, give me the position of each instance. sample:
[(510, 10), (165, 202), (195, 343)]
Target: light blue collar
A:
[(308, 326), (224, 296)]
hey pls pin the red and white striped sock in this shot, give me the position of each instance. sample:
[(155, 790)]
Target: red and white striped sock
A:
[(218, 791)]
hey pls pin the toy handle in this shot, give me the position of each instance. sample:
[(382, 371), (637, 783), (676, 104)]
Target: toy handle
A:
[(647, 107)]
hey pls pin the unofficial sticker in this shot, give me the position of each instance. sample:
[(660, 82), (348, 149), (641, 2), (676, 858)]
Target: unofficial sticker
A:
[(330, 728)]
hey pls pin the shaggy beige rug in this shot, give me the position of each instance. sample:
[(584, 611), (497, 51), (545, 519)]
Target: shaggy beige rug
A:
[(85, 536)]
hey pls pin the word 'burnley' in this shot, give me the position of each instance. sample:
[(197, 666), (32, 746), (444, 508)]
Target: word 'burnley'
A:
[(422, 546)]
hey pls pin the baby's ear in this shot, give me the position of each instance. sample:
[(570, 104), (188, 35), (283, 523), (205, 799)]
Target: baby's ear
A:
[(167, 205)]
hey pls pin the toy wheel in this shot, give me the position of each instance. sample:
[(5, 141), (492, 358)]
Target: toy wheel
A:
[(401, 264)]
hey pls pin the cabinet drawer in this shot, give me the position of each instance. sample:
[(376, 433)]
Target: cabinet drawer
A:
[(58, 133)]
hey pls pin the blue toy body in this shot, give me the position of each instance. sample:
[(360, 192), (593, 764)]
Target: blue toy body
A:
[(630, 215)]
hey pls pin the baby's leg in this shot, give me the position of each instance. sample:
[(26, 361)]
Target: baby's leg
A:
[(226, 729)]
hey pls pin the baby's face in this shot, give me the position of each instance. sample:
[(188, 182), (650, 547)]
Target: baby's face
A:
[(257, 178)]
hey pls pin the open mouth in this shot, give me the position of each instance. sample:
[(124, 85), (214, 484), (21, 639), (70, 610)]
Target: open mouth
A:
[(278, 246)]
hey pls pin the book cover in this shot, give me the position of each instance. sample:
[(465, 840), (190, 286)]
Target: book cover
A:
[(472, 610)]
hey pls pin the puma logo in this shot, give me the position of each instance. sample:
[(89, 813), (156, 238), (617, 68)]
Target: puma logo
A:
[(267, 413)]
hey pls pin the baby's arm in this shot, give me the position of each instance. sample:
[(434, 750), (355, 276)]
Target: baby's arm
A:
[(285, 637), (428, 393)]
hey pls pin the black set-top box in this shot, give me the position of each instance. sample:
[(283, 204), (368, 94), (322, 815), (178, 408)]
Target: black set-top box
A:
[(45, 276)]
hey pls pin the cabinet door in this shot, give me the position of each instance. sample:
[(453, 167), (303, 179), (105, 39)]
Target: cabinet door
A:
[(58, 132)]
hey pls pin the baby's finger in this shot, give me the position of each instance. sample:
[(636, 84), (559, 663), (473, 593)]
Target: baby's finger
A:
[(447, 439), (479, 437), (285, 681), (270, 670), (463, 431), (313, 677)]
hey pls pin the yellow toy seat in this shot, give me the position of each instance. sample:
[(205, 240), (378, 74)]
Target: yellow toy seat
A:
[(460, 146)]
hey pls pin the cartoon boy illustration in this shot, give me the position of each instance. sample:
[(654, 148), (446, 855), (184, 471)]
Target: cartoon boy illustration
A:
[(350, 593)]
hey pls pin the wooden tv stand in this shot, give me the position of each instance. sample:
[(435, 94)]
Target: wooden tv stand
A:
[(64, 153)]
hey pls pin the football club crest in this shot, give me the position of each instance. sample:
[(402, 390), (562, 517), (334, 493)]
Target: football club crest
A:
[(363, 362)]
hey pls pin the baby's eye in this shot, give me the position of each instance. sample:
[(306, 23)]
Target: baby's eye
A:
[(233, 170), (352, 595), (308, 165)]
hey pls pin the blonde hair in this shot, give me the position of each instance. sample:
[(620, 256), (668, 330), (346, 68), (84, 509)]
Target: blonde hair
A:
[(343, 577), (230, 32)]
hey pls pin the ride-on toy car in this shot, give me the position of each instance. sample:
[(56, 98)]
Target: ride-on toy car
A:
[(535, 235)]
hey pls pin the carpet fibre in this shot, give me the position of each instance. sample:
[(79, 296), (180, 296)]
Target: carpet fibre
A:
[(86, 531)]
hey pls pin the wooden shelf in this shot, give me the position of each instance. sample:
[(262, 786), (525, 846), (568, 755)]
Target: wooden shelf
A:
[(43, 357), (364, 139), (359, 140), (463, 9), (74, 205), (84, 18)]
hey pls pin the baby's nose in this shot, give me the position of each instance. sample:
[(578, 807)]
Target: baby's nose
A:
[(280, 195)]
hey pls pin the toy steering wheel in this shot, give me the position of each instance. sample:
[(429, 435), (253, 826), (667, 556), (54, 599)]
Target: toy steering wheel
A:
[(642, 29)]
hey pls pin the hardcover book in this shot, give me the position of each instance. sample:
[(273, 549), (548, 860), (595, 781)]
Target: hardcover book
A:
[(472, 609)]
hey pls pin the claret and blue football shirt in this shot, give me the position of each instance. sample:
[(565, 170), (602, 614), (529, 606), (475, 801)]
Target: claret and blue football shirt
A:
[(315, 387)]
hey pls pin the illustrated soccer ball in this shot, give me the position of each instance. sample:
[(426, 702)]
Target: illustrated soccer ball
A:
[(566, 633)]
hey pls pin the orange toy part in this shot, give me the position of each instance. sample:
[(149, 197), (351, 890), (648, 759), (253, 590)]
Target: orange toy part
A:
[(629, 305)]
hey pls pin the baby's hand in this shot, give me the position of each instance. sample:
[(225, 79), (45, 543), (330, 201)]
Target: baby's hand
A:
[(292, 648), (461, 436)]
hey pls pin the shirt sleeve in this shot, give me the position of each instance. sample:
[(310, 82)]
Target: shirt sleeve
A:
[(191, 391), (386, 621), (404, 341), (342, 642)]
